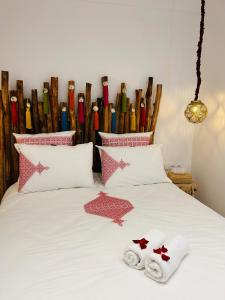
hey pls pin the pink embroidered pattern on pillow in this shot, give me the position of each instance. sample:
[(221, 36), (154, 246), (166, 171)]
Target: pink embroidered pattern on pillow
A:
[(27, 169), (109, 207), (125, 141), (56, 140), (110, 165)]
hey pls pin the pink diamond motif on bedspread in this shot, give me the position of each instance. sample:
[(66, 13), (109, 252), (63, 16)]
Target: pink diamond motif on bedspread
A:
[(109, 207), (27, 169), (110, 166)]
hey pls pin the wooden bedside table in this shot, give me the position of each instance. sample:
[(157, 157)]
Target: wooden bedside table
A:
[(184, 182)]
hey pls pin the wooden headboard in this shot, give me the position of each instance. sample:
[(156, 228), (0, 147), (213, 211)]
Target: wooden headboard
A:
[(44, 113)]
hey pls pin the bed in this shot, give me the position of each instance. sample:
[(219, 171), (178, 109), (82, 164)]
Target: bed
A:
[(50, 248)]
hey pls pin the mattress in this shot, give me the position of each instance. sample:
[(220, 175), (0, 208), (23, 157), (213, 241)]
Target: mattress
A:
[(51, 248)]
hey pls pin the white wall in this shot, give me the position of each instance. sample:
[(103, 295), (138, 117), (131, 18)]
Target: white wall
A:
[(128, 40), (209, 142)]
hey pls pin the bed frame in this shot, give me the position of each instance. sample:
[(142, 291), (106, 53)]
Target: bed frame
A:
[(13, 117)]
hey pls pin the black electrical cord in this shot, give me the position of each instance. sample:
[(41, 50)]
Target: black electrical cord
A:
[(199, 51)]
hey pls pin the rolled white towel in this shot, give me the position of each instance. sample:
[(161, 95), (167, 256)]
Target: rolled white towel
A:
[(163, 262), (134, 255)]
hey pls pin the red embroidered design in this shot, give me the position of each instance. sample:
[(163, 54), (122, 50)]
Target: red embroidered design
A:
[(161, 252), (27, 169), (109, 207), (125, 141), (142, 243), (110, 166), (57, 140)]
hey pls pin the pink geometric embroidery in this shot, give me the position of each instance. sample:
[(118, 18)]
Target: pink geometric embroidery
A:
[(125, 141), (110, 165), (27, 169), (56, 140), (109, 207)]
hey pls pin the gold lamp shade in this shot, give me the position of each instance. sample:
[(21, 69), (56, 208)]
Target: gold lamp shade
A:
[(196, 111)]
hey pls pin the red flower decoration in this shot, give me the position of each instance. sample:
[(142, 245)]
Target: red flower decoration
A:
[(163, 249), (157, 251), (161, 252), (165, 257), (142, 243)]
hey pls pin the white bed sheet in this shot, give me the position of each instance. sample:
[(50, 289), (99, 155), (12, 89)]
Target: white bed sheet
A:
[(51, 249)]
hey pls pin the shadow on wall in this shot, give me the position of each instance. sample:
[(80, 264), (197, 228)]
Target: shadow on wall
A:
[(208, 162)]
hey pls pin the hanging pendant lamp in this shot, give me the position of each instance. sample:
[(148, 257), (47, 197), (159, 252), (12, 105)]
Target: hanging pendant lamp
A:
[(196, 111)]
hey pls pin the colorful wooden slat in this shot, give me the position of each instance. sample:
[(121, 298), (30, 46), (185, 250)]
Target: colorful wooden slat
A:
[(14, 111), (28, 118), (71, 104), (132, 118), (42, 119)]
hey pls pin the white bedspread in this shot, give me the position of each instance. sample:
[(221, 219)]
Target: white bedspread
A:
[(50, 249)]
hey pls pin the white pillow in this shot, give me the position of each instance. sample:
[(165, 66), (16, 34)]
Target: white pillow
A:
[(45, 168), (53, 138), (125, 139), (123, 166)]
